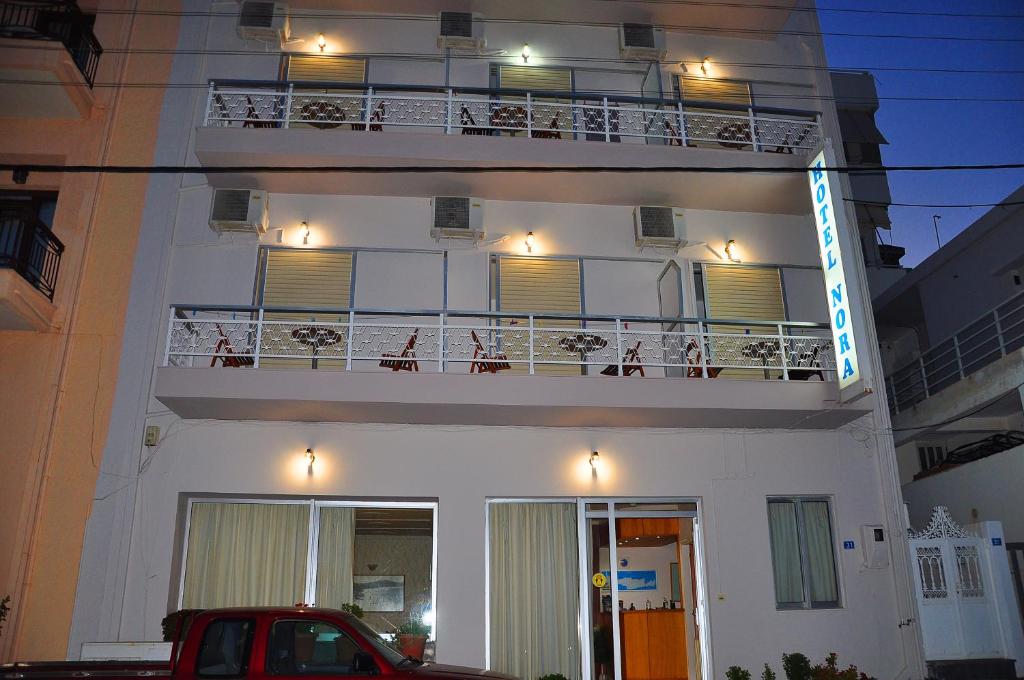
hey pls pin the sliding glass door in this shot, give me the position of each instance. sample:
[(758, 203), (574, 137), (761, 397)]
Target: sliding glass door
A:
[(595, 589)]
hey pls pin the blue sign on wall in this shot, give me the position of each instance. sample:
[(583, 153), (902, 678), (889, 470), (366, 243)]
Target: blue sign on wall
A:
[(997, 541), (847, 545)]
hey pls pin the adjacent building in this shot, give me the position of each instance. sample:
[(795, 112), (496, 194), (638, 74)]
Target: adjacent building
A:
[(433, 331), (66, 248), (951, 334)]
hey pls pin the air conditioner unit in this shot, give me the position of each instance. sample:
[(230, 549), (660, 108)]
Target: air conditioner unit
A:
[(658, 227), (457, 217), (239, 210), (642, 41), (460, 31), (266, 21)]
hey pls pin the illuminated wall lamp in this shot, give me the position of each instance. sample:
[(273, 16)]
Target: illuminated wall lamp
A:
[(526, 53), (595, 461), (321, 41), (530, 240), (310, 459), (305, 233), (732, 251), (705, 66)]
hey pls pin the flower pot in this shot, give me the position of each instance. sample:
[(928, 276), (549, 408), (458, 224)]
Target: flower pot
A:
[(412, 645)]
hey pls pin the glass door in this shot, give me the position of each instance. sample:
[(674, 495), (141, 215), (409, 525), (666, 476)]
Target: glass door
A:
[(642, 605)]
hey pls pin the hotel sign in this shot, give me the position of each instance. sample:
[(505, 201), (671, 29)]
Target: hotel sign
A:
[(829, 218)]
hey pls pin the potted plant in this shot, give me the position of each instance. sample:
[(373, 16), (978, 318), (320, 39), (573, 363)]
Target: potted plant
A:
[(353, 609), (412, 638), (177, 623)]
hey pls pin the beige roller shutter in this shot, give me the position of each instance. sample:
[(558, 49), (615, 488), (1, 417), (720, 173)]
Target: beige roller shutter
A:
[(326, 67), (711, 90), (535, 78), (735, 292), (539, 284), (307, 278)]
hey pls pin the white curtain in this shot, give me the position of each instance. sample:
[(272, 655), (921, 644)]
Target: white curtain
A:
[(534, 589), (821, 562), (246, 554), (335, 552), (785, 552)]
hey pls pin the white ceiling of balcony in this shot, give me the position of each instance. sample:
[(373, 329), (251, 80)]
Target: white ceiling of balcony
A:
[(765, 16)]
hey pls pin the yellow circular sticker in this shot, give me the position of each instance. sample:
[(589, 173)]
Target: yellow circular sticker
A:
[(599, 580)]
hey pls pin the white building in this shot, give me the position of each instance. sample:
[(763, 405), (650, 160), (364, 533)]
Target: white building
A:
[(354, 379), (951, 334)]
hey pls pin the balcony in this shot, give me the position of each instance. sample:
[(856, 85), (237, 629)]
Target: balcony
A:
[(74, 66), (285, 123), (29, 260), (996, 336), (497, 369)]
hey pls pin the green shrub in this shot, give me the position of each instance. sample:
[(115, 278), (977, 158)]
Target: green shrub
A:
[(830, 670), (767, 673), (414, 627), (553, 676), (169, 625), (737, 673), (5, 609), (796, 666), (353, 609)]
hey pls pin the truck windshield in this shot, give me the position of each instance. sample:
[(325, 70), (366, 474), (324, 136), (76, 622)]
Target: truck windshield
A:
[(374, 638)]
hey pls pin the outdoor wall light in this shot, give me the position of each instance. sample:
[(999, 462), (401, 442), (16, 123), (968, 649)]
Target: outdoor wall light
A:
[(526, 53), (732, 251), (705, 66), (530, 240), (595, 461), (310, 459), (321, 41), (305, 233)]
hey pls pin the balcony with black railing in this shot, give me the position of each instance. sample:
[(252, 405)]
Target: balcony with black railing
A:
[(29, 249), (54, 20)]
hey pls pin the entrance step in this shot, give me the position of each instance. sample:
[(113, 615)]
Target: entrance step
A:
[(973, 669)]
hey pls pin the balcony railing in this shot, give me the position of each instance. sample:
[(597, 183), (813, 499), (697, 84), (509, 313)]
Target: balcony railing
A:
[(468, 342), (30, 248), (478, 111), (59, 20), (976, 345)]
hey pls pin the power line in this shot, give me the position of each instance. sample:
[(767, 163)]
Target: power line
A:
[(688, 28), (463, 169), (820, 9), (882, 204)]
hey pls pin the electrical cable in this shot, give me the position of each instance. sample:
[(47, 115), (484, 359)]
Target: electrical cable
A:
[(882, 204), (462, 169)]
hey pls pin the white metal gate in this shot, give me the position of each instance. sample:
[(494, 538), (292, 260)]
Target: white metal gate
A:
[(955, 598)]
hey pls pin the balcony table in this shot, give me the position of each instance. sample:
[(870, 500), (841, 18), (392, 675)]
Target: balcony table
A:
[(316, 337), (323, 115), (734, 135), (583, 344), (510, 119), (765, 350)]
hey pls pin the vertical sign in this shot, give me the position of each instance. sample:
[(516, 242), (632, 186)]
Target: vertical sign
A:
[(837, 293)]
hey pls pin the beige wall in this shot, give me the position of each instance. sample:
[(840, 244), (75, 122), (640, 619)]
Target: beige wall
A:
[(60, 384)]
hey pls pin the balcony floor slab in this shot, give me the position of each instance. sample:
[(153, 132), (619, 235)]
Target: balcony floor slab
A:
[(512, 400), (22, 307)]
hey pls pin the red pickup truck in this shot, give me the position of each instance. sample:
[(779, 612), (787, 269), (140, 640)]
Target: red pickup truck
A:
[(256, 643)]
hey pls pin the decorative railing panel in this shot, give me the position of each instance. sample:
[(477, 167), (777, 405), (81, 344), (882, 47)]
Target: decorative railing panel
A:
[(468, 342), (975, 346), (30, 248), (474, 111), (59, 20)]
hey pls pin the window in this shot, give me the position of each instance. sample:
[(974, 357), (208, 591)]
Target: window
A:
[(803, 557), (224, 651), (314, 648), (931, 456)]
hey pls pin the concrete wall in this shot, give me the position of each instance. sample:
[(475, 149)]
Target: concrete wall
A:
[(987, 489), (59, 384)]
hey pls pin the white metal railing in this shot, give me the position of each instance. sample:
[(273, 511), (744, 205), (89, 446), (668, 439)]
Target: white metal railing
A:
[(976, 345), (578, 116), (469, 342)]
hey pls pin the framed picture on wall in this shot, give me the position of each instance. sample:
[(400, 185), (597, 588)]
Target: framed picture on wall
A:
[(378, 593)]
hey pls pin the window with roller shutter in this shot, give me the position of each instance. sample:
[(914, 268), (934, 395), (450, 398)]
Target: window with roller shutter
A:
[(539, 284), (743, 292), (326, 67), (300, 277), (707, 126)]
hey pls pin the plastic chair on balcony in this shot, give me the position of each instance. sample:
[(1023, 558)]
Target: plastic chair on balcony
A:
[(252, 120), (694, 357), (376, 118), (551, 133), (225, 351), (806, 365), (631, 363), (406, 359), (469, 125), (484, 361), (674, 138)]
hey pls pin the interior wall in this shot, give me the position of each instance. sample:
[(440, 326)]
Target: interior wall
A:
[(408, 556)]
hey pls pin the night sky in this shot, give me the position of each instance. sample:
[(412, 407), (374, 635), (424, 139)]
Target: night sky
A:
[(939, 132)]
